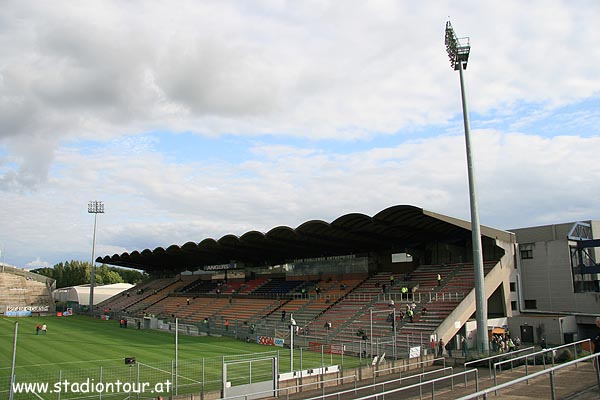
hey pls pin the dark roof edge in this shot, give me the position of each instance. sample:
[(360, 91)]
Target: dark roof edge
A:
[(493, 233)]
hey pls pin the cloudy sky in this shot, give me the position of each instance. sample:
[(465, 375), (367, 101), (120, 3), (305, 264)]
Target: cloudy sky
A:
[(196, 119)]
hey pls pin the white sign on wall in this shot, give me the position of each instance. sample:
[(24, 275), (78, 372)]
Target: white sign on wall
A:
[(414, 352)]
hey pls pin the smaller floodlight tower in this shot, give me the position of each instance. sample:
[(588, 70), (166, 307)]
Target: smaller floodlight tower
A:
[(94, 207)]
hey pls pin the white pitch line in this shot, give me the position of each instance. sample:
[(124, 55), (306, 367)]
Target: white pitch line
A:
[(169, 372), (65, 362), (223, 347)]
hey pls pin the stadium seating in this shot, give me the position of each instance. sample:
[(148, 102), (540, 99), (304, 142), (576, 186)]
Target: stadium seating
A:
[(136, 295), (21, 289), (350, 305)]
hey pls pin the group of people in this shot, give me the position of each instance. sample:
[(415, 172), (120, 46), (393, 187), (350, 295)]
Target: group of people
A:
[(361, 334), (410, 312), (41, 328), (505, 343), (437, 348)]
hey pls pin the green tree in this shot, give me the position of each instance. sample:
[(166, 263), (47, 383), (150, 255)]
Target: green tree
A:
[(112, 277), (73, 273)]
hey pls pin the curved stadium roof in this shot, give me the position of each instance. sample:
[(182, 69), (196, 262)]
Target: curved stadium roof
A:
[(395, 228)]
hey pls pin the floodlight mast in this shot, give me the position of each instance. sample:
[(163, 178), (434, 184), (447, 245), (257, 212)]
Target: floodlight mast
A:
[(458, 51), (94, 207)]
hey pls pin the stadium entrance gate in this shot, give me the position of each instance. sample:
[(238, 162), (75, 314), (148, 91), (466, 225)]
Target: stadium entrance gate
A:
[(250, 376)]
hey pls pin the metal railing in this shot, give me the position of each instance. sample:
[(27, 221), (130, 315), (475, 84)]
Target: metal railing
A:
[(484, 393), (420, 297), (419, 385), (382, 384), (405, 366), (543, 353), (489, 359), (288, 388), (354, 390)]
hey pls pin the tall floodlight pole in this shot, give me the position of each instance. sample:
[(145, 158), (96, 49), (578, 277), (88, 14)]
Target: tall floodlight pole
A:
[(176, 355), (11, 392), (292, 328), (458, 51), (94, 207)]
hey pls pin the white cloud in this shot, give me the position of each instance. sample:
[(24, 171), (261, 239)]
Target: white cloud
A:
[(284, 77), (37, 263), (151, 202)]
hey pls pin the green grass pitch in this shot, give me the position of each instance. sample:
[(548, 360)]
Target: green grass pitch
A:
[(80, 342), (78, 346)]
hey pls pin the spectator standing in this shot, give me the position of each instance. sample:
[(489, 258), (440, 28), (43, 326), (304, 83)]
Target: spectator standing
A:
[(596, 342), (448, 348), (511, 345)]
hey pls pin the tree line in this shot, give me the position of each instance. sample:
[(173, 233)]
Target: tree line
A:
[(72, 273)]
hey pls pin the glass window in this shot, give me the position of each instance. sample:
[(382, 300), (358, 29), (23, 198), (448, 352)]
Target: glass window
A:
[(531, 304), (526, 251)]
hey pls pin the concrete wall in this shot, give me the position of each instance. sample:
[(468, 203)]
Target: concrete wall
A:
[(552, 327), (547, 277), (498, 278)]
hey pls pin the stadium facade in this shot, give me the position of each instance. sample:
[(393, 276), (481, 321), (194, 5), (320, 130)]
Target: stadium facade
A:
[(399, 241), (540, 282), (536, 282), (557, 281)]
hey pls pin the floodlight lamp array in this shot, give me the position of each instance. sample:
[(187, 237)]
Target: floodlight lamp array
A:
[(458, 49), (96, 207)]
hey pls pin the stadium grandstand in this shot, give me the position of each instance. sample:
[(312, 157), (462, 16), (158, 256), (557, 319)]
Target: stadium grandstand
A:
[(362, 299), (23, 293), (345, 284)]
